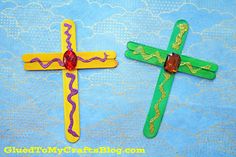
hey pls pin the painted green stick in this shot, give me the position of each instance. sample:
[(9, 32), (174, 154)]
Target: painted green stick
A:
[(162, 58), (143, 50), (164, 84), (185, 66)]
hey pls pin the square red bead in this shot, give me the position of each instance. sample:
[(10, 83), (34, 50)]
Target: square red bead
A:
[(172, 63)]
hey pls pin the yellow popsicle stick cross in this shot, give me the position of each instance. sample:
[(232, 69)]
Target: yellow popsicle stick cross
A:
[(68, 64)]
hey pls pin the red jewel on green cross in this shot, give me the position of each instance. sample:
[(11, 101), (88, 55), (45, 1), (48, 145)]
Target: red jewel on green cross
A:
[(172, 61)]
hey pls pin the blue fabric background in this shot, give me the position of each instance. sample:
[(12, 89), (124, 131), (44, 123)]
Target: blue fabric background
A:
[(200, 117)]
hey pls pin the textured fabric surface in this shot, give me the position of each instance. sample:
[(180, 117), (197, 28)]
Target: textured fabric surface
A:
[(200, 117)]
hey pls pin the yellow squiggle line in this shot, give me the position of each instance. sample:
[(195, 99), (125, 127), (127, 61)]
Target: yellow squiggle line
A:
[(192, 70), (183, 28), (156, 106), (140, 51)]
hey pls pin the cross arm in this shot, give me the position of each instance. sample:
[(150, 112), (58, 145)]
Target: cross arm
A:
[(54, 61), (145, 54), (157, 57), (198, 67)]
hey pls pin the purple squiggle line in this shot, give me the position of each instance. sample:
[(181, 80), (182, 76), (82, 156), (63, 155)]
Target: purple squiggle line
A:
[(78, 57), (73, 92), (48, 63), (68, 36), (62, 64), (94, 58)]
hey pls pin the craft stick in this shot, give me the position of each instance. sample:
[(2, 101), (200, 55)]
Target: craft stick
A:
[(70, 85), (178, 37), (42, 56), (164, 84), (198, 72), (193, 61), (86, 55), (37, 66), (80, 65), (153, 60), (148, 49), (97, 64), (199, 63), (158, 104)]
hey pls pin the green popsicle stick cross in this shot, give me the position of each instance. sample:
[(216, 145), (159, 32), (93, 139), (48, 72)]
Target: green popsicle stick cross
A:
[(158, 57)]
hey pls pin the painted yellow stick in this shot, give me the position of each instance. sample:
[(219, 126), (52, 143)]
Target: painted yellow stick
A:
[(85, 55), (66, 82), (80, 65)]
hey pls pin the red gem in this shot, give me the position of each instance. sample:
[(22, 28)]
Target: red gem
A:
[(172, 63), (70, 60)]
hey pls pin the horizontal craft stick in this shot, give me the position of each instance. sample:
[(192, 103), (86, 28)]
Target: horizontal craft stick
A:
[(197, 72), (84, 55), (148, 49), (80, 65), (199, 63), (193, 61), (153, 60)]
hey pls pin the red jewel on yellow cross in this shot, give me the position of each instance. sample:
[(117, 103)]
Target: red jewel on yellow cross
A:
[(68, 61)]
